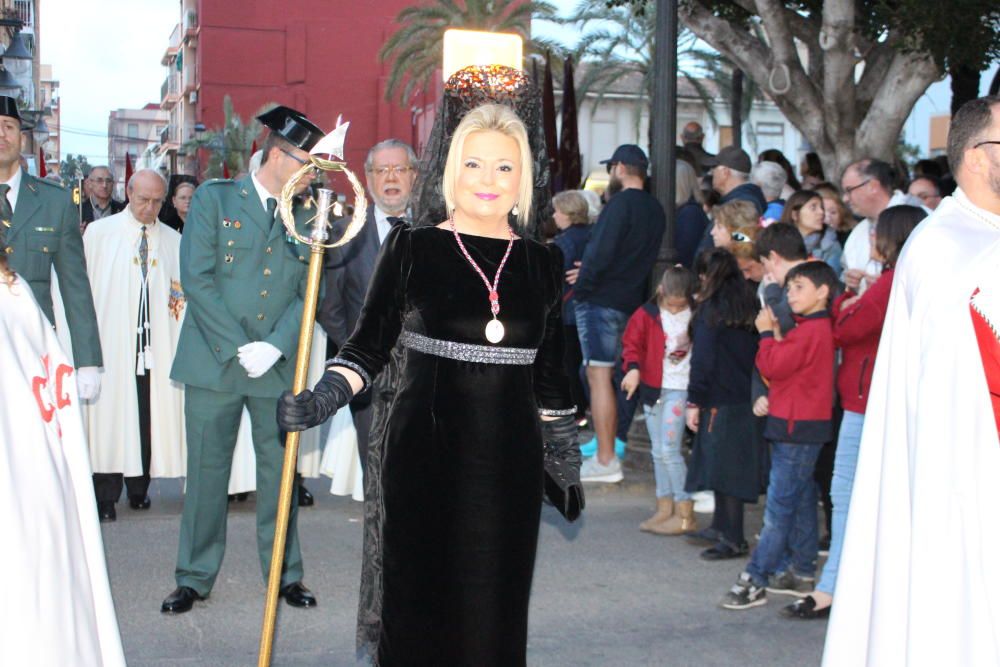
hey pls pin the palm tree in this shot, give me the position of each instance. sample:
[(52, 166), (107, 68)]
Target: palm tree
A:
[(229, 144), (619, 42), (416, 48)]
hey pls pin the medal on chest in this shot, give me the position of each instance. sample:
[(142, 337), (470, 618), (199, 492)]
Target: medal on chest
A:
[(494, 331)]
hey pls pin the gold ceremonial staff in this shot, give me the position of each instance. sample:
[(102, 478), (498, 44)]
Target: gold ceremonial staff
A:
[(317, 245)]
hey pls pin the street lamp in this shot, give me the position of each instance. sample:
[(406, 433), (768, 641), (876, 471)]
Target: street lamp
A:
[(470, 47), (8, 84), (17, 49), (41, 131)]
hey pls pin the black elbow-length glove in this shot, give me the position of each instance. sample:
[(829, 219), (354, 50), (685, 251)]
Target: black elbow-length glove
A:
[(562, 461), (297, 413)]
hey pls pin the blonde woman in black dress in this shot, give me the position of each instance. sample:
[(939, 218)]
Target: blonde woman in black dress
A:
[(478, 309)]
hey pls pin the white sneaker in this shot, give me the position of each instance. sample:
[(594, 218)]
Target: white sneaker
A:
[(593, 470)]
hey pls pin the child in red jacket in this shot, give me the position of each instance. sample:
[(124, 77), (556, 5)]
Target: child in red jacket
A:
[(799, 368), (857, 329), (656, 352)]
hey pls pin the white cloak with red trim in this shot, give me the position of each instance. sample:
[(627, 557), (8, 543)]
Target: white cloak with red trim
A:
[(56, 608), (919, 578)]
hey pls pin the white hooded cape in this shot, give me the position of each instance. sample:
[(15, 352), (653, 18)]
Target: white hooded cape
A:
[(919, 580), (56, 608), (111, 246)]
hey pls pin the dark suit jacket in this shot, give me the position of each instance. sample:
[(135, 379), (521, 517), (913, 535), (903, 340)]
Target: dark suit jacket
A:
[(347, 272), (45, 234), (87, 210)]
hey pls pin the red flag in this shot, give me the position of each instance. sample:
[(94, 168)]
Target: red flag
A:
[(225, 170), (42, 173), (128, 173)]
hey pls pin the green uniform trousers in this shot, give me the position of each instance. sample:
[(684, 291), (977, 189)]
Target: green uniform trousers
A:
[(213, 420)]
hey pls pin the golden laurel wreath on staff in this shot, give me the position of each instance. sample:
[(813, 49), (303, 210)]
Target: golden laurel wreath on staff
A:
[(316, 241), (287, 202)]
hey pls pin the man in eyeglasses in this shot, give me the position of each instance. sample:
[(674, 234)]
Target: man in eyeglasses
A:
[(244, 284), (390, 171), (868, 188), (99, 204)]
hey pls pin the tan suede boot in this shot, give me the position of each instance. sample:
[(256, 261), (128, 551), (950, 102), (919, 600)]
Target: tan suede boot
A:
[(664, 510), (681, 522)]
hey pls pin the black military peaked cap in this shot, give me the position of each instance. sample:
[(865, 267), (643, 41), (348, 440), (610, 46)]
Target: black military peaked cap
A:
[(292, 126)]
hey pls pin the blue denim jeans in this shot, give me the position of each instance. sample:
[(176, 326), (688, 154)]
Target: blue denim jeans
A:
[(665, 423), (844, 465), (600, 330), (789, 515)]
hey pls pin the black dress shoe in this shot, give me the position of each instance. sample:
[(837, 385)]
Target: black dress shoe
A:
[(139, 502), (705, 537), (180, 601), (805, 609), (298, 595), (305, 498), (106, 511), (725, 551)]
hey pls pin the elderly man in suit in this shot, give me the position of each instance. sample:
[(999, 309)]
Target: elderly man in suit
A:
[(39, 231), (99, 203), (390, 170), (244, 282)]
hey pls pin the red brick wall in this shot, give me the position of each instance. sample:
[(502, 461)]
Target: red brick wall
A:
[(318, 56)]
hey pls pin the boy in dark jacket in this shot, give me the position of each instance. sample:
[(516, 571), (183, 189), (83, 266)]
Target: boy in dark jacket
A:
[(799, 368)]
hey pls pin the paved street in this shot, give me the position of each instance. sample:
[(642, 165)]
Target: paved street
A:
[(604, 593)]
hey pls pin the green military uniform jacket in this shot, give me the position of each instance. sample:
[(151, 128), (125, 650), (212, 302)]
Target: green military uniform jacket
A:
[(45, 233), (244, 281)]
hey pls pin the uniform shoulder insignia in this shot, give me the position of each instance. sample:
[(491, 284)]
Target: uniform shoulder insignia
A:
[(218, 181), (49, 183)]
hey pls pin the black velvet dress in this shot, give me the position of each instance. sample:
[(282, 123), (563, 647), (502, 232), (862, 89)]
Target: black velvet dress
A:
[(462, 466)]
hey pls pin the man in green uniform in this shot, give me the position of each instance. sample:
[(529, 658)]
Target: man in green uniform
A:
[(244, 283), (39, 230)]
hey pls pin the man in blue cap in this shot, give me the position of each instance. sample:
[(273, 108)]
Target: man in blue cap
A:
[(611, 284), (244, 282), (39, 231)]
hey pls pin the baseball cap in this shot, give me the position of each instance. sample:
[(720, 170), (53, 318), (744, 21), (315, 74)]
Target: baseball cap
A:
[(628, 154), (731, 156)]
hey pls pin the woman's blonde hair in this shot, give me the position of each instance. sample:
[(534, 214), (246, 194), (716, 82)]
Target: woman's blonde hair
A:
[(494, 118), (574, 205), (736, 215)]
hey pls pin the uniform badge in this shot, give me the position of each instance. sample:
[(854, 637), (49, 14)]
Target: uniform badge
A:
[(229, 258), (226, 223), (236, 224)]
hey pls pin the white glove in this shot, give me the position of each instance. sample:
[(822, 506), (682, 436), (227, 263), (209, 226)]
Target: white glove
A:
[(88, 382), (257, 358)]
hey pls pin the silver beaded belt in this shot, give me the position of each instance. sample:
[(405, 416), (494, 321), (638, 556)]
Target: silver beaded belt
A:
[(481, 354)]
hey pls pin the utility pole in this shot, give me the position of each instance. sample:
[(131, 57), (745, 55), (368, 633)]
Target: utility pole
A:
[(663, 118)]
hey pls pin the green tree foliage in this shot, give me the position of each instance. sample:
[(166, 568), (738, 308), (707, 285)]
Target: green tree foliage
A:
[(72, 168), (846, 73), (229, 144), (416, 48), (618, 42)]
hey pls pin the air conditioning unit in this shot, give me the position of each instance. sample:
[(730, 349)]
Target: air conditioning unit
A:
[(193, 96)]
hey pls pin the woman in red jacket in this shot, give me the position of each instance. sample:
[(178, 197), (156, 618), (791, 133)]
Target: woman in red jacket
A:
[(857, 328)]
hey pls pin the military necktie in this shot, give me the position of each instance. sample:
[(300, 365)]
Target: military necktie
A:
[(272, 206), (144, 253), (393, 221), (6, 213)]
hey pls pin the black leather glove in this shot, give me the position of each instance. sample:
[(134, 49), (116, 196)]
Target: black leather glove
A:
[(562, 461), (297, 413)]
